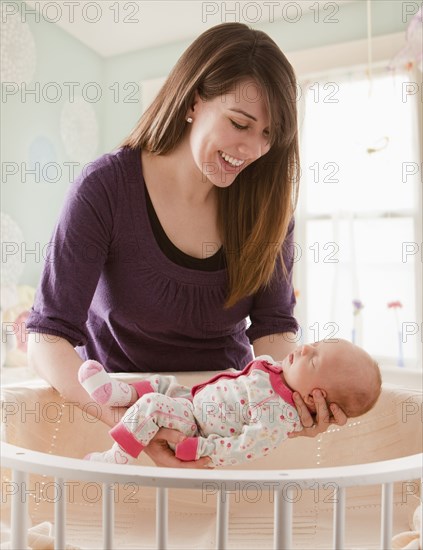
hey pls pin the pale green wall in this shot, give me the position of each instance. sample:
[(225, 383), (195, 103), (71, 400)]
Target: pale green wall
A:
[(35, 206), (60, 58)]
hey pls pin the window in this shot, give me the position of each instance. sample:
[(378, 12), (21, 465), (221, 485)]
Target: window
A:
[(359, 214)]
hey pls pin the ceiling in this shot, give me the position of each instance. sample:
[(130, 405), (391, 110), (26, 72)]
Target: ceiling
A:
[(116, 27)]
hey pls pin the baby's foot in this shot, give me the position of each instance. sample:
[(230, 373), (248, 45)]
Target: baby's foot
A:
[(115, 455), (101, 387)]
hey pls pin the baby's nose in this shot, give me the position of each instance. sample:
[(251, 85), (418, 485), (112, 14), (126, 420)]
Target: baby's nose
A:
[(305, 349)]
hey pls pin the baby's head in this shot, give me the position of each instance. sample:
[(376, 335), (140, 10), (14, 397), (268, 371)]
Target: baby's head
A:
[(345, 374)]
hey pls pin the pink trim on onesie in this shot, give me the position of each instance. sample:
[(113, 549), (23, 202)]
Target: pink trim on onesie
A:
[(142, 387), (187, 449), (121, 435), (275, 379), (126, 440), (198, 387)]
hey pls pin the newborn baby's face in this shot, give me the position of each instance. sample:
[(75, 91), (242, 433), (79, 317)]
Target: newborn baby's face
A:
[(315, 366)]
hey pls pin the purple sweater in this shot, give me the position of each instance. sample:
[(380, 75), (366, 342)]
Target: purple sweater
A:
[(110, 291)]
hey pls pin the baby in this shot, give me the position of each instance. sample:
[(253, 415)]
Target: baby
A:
[(236, 416)]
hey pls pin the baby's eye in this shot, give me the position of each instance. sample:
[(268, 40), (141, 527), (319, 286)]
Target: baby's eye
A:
[(238, 126)]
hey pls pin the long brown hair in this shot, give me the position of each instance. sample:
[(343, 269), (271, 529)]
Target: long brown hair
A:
[(255, 210)]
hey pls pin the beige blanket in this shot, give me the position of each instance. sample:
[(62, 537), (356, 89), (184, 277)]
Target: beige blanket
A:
[(393, 429)]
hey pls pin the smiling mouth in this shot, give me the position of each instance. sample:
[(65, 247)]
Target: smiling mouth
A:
[(232, 161)]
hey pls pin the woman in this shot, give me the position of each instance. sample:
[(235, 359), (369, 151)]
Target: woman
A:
[(165, 246)]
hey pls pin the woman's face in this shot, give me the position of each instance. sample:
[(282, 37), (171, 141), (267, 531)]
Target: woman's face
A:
[(229, 132)]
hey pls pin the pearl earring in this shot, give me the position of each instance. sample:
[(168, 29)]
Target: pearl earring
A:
[(189, 119)]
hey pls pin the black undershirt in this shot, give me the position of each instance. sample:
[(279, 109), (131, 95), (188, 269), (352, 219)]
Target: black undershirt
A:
[(210, 263)]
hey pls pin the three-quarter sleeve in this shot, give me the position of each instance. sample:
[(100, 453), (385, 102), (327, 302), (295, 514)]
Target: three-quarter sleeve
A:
[(75, 258), (273, 306)]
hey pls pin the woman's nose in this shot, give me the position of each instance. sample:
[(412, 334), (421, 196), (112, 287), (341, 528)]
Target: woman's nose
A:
[(254, 148)]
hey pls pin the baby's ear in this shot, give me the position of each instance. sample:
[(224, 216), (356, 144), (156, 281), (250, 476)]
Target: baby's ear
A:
[(324, 393), (309, 399)]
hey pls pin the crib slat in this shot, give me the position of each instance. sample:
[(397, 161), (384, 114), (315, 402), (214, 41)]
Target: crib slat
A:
[(108, 514), (282, 519), (222, 513), (161, 518), (59, 514), (386, 515), (339, 519), (19, 510)]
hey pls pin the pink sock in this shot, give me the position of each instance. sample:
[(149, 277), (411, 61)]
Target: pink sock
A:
[(101, 387), (115, 455)]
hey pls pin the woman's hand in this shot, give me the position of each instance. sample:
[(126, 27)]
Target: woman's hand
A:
[(162, 455), (315, 425)]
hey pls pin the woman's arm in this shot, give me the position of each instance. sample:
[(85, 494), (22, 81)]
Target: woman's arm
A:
[(279, 346), (162, 455), (55, 360)]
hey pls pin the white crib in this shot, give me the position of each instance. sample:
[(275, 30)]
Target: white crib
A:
[(352, 487)]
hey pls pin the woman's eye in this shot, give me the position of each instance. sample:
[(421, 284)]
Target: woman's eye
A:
[(238, 126)]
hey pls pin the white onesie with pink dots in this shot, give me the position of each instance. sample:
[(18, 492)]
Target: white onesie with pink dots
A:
[(234, 417)]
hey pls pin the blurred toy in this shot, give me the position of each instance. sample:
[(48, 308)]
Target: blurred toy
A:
[(40, 537), (395, 306), (14, 336), (356, 331), (410, 540), (412, 53)]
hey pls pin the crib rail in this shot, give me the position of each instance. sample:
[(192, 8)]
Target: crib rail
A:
[(23, 461)]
